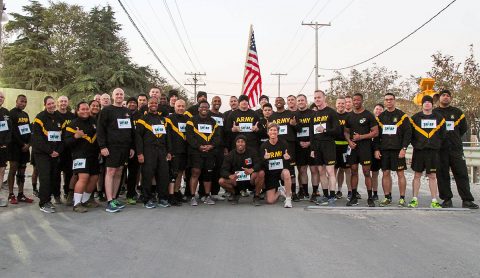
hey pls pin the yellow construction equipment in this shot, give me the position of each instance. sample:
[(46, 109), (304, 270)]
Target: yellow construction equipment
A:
[(426, 87)]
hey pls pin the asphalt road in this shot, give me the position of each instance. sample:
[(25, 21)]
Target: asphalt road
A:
[(240, 241)]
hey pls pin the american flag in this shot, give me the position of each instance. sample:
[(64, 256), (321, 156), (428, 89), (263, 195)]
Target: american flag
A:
[(252, 80)]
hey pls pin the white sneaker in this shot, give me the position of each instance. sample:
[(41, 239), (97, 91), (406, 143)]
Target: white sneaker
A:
[(281, 190), (244, 193), (288, 203), (217, 198)]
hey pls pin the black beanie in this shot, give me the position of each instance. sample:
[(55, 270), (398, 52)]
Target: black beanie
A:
[(201, 94), (427, 98), (242, 98), (132, 99)]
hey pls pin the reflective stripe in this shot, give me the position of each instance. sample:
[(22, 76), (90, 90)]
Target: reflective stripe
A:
[(341, 143)]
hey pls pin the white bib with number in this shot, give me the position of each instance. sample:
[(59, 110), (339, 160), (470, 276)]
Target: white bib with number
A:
[(275, 164), (24, 129), (219, 120), (204, 128), (450, 125), (315, 131), (3, 126), (79, 163), (305, 132), (54, 136), (429, 123), (124, 123), (241, 176), (389, 129), (349, 150), (282, 130), (159, 129), (245, 127), (182, 127)]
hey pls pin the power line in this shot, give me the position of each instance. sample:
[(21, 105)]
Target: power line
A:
[(178, 33), (306, 81), (188, 36), (395, 44), (149, 47)]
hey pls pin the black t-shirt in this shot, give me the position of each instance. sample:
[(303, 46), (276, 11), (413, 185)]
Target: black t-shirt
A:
[(342, 118), (360, 123), (276, 162), (304, 120), (286, 130)]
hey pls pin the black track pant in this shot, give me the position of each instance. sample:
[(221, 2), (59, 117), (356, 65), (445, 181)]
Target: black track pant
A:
[(155, 166), (454, 160), (49, 176), (133, 169)]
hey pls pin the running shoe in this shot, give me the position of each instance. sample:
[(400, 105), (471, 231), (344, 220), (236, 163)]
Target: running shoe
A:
[(349, 196), (295, 197), (12, 199), (256, 201), (300, 195), (57, 200), (50, 205), (386, 202), (163, 203), (370, 202), (149, 205), (131, 201), (209, 201), (24, 199), (79, 208), (119, 204), (69, 199), (91, 203), (244, 193), (339, 195), (35, 192), (112, 207), (413, 204), (218, 198), (331, 201), (469, 204), (322, 201), (3, 203), (402, 203), (358, 196), (101, 197), (193, 202), (352, 202), (375, 197), (306, 196), (288, 203), (435, 204), (314, 197), (447, 203), (47, 209), (281, 190), (174, 202)]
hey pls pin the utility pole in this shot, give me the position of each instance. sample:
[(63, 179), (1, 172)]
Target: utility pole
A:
[(195, 81), (315, 25), (279, 75)]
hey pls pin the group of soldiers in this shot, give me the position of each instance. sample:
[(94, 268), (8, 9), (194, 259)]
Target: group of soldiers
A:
[(152, 143)]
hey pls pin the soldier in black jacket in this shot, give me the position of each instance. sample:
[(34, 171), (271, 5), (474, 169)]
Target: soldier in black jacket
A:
[(242, 165), (19, 150), (81, 138), (66, 156), (115, 135), (133, 166), (451, 155), (47, 146), (177, 148), (202, 137), (5, 139), (427, 136), (221, 150), (151, 146), (390, 146)]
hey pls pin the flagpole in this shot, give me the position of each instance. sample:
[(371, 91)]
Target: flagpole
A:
[(246, 58)]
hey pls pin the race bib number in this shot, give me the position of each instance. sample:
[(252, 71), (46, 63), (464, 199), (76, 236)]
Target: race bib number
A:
[(450, 125), (124, 123), (315, 128), (282, 130), (349, 151), (24, 129), (159, 129), (241, 176), (245, 127), (305, 132), (54, 136), (429, 123), (182, 127), (389, 129), (3, 126), (275, 164), (204, 128), (219, 120), (79, 163)]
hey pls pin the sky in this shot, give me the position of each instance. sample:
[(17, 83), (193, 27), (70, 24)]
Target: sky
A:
[(215, 35)]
